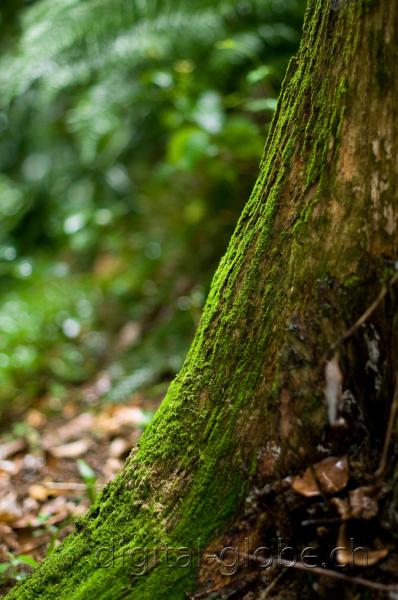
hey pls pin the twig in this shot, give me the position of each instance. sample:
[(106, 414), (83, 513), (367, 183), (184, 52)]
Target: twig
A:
[(390, 429), (300, 566), (205, 593), (66, 486), (271, 586), (239, 586), (367, 314), (325, 521)]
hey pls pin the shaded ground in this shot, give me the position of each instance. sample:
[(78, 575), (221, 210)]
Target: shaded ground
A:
[(53, 463), (326, 529), (310, 527)]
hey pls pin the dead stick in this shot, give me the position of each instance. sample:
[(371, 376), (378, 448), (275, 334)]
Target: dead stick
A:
[(390, 429), (67, 485), (206, 593), (272, 585), (381, 587), (326, 521)]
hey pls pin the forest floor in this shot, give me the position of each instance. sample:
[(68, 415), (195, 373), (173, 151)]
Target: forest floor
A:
[(326, 529), (54, 462)]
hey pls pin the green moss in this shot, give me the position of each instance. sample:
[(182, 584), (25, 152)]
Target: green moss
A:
[(189, 475), (353, 281)]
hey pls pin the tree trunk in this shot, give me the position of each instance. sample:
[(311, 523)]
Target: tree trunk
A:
[(315, 244)]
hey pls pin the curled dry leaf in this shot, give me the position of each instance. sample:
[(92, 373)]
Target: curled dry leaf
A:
[(38, 492), (356, 556), (343, 507), (72, 430), (10, 448), (9, 508), (35, 418), (118, 447), (72, 450), (56, 511), (119, 418), (9, 538), (363, 503), (111, 467), (328, 476), (27, 521), (268, 460), (32, 463), (29, 505), (77, 510), (46, 489), (32, 544), (8, 467)]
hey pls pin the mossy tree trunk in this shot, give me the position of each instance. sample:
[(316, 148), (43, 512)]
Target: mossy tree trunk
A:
[(312, 249)]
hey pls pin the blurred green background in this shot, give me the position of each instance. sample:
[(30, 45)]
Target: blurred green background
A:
[(130, 138)]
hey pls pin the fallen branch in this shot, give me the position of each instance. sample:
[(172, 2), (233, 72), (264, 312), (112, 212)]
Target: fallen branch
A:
[(300, 566)]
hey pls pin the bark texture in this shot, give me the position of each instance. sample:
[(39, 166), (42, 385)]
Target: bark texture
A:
[(312, 249)]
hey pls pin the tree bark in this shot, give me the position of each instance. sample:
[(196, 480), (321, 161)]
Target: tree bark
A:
[(313, 247)]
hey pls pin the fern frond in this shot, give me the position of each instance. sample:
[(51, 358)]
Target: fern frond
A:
[(65, 42)]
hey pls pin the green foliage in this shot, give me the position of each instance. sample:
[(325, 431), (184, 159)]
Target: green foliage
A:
[(47, 331), (130, 135), (89, 477), (16, 568)]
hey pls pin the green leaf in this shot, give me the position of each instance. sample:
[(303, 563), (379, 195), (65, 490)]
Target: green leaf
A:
[(259, 74), (86, 472), (261, 104), (28, 560), (188, 146)]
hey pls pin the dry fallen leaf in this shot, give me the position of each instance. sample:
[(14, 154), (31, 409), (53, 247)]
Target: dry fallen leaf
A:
[(72, 430), (342, 507), (33, 543), (27, 521), (10, 448), (71, 450), (48, 493), (115, 419), (35, 418), (57, 510), (77, 510), (38, 492), (42, 491), (8, 537), (32, 462), (356, 556), (9, 508), (111, 467), (363, 503), (328, 476), (118, 447), (9, 467), (29, 505)]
